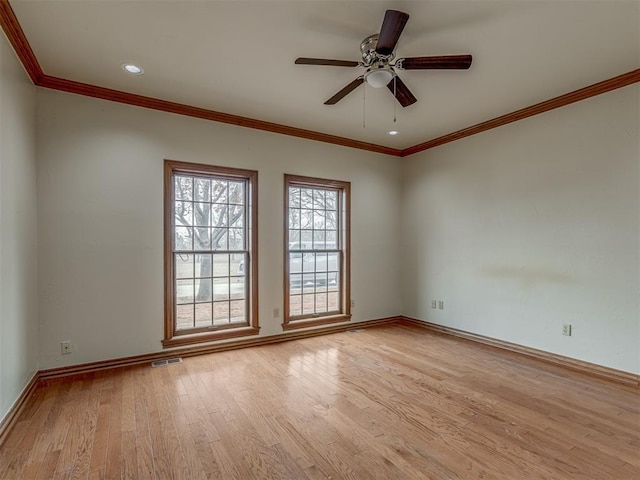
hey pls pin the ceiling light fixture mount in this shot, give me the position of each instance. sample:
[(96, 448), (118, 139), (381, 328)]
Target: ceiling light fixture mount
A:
[(132, 69)]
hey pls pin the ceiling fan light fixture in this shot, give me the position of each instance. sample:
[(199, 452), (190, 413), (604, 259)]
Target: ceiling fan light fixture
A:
[(392, 132), (378, 78)]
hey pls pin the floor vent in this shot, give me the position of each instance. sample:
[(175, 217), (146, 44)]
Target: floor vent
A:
[(169, 361), (356, 330)]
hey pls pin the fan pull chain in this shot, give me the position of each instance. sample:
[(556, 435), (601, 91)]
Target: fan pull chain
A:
[(364, 103), (394, 97)]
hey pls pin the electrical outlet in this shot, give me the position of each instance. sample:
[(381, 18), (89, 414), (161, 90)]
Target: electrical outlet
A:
[(434, 304), (440, 304), (566, 329), (276, 312), (353, 303), (65, 347)]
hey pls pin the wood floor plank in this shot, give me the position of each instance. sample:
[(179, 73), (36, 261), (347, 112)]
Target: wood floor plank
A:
[(390, 402), (114, 442)]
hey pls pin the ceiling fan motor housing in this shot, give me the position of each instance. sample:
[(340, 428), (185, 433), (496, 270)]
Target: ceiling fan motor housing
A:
[(369, 54)]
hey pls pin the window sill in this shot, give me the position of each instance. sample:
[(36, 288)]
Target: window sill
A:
[(180, 340), (312, 322)]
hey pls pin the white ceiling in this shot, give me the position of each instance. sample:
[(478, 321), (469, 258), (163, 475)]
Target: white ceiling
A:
[(237, 56)]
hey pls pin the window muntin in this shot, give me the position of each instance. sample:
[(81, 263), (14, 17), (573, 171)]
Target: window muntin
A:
[(316, 251), (210, 252)]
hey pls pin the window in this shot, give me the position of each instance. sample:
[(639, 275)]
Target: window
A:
[(210, 253), (316, 271)]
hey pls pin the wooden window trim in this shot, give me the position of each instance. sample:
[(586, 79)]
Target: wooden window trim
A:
[(345, 314), (171, 337)]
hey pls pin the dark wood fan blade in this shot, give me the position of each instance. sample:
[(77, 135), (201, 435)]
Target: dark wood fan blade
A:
[(324, 61), (345, 91), (402, 92), (392, 26), (454, 62)]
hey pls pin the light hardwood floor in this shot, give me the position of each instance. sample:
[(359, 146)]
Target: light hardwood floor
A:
[(391, 402)]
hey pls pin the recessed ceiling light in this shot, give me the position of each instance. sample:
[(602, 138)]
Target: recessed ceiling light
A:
[(392, 132), (132, 69)]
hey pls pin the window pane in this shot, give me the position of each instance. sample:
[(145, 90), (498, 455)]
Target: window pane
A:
[(295, 282), (221, 313), (308, 262), (332, 240), (333, 262), (333, 280), (238, 264), (321, 282), (236, 216), (237, 288), (183, 188), (184, 238), (308, 303), (306, 198), (294, 239), (294, 197), (295, 305), (184, 213), (220, 265), (321, 302), (202, 214), (319, 240), (221, 288), (203, 265), (308, 281), (203, 290), (318, 199), (237, 313), (219, 191), (219, 215), (321, 262), (306, 239), (294, 218), (202, 187), (236, 239), (318, 219), (331, 220), (220, 239), (306, 218), (333, 301), (332, 200), (201, 239), (184, 316), (184, 291), (236, 193), (295, 263), (184, 265), (203, 314)]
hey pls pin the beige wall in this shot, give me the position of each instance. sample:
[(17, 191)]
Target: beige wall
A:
[(535, 224), (518, 230), (18, 268), (100, 200)]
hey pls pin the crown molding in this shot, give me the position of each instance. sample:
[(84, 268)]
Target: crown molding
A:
[(19, 42), (599, 88), (71, 86), (17, 38)]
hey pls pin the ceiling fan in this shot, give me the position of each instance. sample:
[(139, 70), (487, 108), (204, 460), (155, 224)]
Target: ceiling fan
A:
[(377, 58)]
